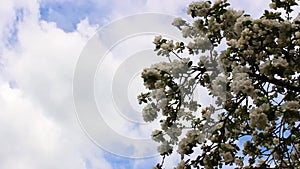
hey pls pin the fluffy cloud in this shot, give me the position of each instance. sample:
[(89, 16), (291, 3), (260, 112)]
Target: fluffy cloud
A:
[(38, 125), (30, 139)]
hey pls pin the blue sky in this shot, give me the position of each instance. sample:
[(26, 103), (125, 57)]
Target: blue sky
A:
[(12, 36), (40, 42), (68, 14)]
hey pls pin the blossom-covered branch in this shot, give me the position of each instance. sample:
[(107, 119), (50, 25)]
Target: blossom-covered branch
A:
[(255, 82)]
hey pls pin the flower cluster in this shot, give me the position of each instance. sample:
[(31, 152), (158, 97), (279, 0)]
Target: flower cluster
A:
[(242, 83), (258, 117), (164, 148), (291, 106), (193, 137), (149, 112)]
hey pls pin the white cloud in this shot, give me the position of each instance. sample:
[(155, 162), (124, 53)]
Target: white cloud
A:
[(30, 139), (255, 9), (38, 125), (174, 7)]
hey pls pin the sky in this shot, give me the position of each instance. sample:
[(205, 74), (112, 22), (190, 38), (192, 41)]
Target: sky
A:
[(42, 44)]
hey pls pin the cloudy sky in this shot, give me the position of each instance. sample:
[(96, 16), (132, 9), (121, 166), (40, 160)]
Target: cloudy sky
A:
[(41, 42)]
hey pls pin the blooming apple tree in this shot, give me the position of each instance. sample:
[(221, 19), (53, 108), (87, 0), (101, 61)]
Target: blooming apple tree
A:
[(254, 80)]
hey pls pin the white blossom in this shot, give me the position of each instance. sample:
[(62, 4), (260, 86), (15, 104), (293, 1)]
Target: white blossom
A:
[(218, 2), (168, 46), (162, 103), (186, 31), (265, 67), (198, 8), (227, 146), (202, 43), (238, 26), (258, 119), (238, 161), (218, 86), (193, 105), (219, 125), (163, 66), (297, 34), (149, 113), (157, 136), (159, 84), (280, 62), (179, 66), (174, 131), (233, 43), (178, 22), (158, 94), (203, 60), (241, 83), (157, 39), (164, 148), (291, 106), (227, 157), (273, 5), (183, 147), (230, 16), (208, 111), (181, 165)]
